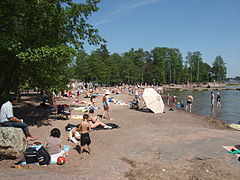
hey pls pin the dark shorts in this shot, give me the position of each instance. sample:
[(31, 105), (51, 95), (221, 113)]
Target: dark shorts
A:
[(85, 139), (189, 102)]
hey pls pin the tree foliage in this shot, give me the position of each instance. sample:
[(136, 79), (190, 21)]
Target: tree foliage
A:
[(35, 40), (219, 69)]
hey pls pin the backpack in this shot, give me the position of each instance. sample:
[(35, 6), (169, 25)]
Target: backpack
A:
[(31, 155), (43, 157)]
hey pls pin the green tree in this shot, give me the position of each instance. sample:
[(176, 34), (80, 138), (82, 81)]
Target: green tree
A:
[(219, 69), (160, 56), (195, 63), (149, 69), (116, 67), (41, 26), (168, 64)]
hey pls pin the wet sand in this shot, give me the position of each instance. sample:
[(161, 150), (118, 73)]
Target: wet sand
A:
[(173, 145)]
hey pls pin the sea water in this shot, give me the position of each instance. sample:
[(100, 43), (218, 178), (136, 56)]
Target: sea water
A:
[(230, 104)]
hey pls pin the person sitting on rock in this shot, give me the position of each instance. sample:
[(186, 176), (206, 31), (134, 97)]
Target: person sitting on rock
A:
[(7, 118)]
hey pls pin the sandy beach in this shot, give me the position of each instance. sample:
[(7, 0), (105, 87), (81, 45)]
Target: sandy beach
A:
[(173, 145)]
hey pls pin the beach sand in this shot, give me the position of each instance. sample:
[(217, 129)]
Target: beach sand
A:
[(173, 145)]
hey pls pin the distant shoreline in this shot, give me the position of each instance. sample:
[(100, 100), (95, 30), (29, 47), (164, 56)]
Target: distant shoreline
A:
[(201, 87)]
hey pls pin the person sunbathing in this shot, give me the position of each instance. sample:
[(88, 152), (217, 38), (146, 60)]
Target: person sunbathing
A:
[(94, 121), (74, 134)]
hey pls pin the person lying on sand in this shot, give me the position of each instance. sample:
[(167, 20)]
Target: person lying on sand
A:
[(94, 121), (74, 134)]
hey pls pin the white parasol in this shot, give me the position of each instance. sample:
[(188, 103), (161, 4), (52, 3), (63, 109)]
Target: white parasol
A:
[(153, 100)]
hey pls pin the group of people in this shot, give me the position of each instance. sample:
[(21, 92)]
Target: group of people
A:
[(190, 98), (53, 144), (213, 100)]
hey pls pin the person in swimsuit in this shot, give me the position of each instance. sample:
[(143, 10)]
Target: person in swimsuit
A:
[(212, 99), (189, 103), (84, 129), (218, 100), (95, 122), (106, 106)]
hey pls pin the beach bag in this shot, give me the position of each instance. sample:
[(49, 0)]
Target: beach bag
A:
[(31, 155), (43, 156)]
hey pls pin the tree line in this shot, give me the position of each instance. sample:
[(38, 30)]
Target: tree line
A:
[(162, 65)]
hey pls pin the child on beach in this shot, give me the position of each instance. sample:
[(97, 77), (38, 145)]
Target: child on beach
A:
[(84, 129)]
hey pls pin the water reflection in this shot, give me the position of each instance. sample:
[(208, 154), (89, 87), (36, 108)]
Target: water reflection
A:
[(212, 110)]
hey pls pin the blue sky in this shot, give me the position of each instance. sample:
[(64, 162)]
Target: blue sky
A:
[(209, 26)]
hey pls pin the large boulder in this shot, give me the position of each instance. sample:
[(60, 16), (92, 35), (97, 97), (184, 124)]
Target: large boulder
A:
[(12, 142)]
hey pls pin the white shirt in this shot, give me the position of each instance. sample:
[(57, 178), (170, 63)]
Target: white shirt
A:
[(6, 112)]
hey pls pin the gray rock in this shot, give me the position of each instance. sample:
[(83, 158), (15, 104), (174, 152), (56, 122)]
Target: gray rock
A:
[(12, 142)]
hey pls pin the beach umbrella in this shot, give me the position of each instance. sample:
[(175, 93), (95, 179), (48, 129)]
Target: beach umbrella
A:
[(153, 100)]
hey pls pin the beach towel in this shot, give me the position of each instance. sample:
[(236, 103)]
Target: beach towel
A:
[(114, 126), (86, 108), (235, 126), (233, 150), (76, 117), (54, 156)]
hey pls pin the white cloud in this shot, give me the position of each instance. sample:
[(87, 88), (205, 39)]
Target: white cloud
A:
[(127, 7), (143, 3), (101, 22), (136, 5)]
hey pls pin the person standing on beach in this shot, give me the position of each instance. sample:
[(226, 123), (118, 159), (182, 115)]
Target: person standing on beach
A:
[(84, 129), (218, 100), (212, 99), (7, 118), (189, 103), (106, 107)]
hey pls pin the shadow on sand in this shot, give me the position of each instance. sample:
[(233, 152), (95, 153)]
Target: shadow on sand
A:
[(29, 109)]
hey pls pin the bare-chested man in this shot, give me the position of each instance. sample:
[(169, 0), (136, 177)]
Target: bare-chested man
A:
[(84, 129), (189, 103)]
